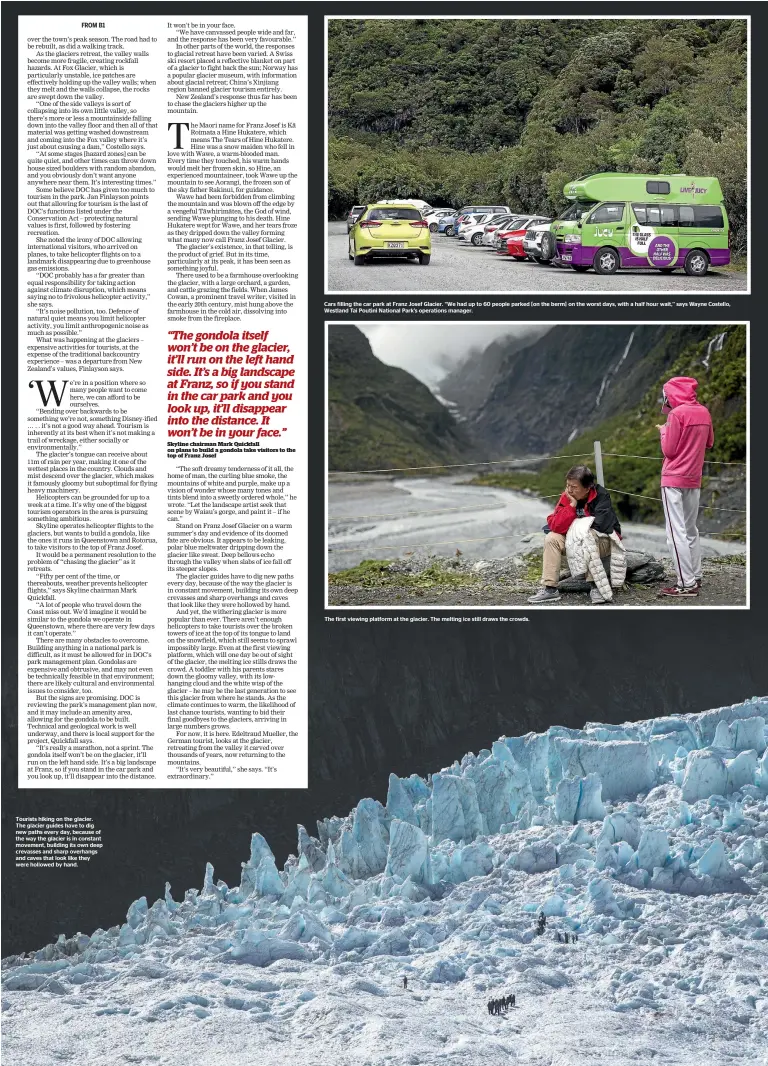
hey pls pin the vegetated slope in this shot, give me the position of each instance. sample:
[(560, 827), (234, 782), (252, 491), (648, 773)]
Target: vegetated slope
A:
[(504, 110), (565, 382), (716, 356), (381, 417)]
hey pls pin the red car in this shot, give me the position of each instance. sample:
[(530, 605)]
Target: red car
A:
[(510, 242)]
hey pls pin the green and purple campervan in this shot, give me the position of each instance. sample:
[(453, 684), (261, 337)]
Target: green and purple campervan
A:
[(658, 221)]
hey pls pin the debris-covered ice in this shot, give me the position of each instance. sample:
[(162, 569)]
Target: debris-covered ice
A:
[(646, 843)]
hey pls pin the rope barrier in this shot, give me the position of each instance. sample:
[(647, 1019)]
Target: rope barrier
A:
[(457, 466), (660, 459), (515, 462), (404, 514), (461, 510), (658, 499), (442, 510)]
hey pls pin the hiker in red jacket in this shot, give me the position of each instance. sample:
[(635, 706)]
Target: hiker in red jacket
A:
[(685, 438), (583, 497)]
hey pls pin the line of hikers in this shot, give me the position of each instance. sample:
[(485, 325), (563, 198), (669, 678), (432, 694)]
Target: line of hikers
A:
[(562, 938), (496, 1006)]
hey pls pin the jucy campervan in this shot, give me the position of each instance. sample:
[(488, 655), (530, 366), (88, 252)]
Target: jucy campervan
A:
[(661, 221)]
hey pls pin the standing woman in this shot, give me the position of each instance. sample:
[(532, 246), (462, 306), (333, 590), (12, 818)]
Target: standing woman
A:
[(685, 438)]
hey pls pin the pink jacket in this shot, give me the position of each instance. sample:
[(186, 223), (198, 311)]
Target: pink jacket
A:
[(686, 436)]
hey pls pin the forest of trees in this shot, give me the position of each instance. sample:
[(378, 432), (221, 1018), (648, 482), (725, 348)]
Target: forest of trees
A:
[(507, 111)]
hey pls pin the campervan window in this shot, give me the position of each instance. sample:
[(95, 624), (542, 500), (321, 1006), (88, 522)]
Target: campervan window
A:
[(660, 188), (655, 214), (684, 215), (607, 213), (573, 212), (706, 217)]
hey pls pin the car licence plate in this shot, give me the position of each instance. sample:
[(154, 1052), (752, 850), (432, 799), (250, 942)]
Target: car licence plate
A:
[(395, 244), (567, 257)]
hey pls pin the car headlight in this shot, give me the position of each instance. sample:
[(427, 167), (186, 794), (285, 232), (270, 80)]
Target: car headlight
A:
[(571, 238)]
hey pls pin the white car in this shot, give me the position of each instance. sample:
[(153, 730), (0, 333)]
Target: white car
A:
[(475, 232), (470, 222), (433, 218), (490, 228), (540, 244)]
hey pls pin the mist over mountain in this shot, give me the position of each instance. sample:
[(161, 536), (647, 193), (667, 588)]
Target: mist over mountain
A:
[(531, 397), (381, 416), (432, 351)]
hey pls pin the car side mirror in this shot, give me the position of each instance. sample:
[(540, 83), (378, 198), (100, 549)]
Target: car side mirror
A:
[(578, 224)]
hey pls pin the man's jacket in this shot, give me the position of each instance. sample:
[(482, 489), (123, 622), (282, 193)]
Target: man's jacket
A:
[(583, 556), (686, 436), (597, 505)]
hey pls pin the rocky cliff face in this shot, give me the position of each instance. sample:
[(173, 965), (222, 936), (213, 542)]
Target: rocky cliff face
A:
[(532, 399), (380, 416)]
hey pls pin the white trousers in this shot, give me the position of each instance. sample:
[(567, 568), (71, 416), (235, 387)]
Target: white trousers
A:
[(681, 509)]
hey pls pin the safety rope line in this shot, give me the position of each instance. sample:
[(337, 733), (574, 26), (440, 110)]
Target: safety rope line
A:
[(658, 499), (660, 459), (442, 510), (462, 510), (516, 462)]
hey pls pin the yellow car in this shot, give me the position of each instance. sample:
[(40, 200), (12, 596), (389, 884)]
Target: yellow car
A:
[(390, 231)]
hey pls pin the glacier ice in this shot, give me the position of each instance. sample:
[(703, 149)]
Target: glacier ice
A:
[(625, 767), (609, 832)]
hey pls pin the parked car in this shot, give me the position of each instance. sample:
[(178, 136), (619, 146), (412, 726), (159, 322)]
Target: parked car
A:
[(390, 231), (512, 243), (539, 243), (490, 229), (469, 222), (474, 232), (503, 233), (434, 217), (478, 209), (421, 205), (354, 214), (447, 224)]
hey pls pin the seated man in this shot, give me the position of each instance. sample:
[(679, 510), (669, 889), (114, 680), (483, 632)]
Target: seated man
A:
[(583, 498)]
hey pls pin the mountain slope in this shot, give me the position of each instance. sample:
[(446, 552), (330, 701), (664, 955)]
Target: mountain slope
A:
[(380, 416), (626, 419), (572, 378)]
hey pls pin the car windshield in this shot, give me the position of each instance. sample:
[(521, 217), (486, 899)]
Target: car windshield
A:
[(383, 214), (574, 211)]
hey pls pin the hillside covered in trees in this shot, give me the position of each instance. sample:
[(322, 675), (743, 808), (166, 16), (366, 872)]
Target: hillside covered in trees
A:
[(507, 111)]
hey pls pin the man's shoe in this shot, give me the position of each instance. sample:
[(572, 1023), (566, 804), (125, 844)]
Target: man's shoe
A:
[(676, 591), (545, 595), (698, 582), (595, 597)]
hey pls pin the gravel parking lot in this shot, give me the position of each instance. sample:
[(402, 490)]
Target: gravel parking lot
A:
[(458, 267)]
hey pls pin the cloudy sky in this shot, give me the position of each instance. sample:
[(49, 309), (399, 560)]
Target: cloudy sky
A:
[(429, 351)]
